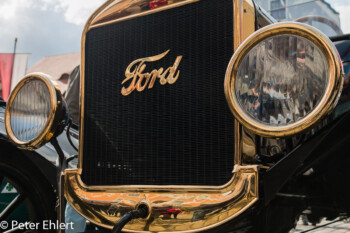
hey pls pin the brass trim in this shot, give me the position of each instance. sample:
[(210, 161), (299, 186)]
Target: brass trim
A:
[(198, 208), (237, 23), (61, 208), (244, 21), (54, 117), (77, 193), (244, 25), (241, 24), (328, 101), (121, 10), (136, 75)]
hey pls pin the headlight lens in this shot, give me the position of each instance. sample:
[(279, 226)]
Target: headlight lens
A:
[(283, 79), (30, 110), (34, 112)]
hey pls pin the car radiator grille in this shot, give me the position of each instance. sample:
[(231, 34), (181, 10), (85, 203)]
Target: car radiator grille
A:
[(179, 134)]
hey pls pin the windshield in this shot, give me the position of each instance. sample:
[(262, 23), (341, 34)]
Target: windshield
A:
[(332, 17)]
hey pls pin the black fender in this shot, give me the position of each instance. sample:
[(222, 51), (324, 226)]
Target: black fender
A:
[(45, 159), (332, 140)]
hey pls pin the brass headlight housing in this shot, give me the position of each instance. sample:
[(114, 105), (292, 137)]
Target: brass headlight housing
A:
[(283, 79), (34, 111)]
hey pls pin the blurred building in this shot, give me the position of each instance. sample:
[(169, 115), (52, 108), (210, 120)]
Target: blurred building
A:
[(318, 13), (59, 67)]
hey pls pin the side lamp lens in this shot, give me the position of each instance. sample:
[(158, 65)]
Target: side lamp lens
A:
[(30, 110), (35, 112)]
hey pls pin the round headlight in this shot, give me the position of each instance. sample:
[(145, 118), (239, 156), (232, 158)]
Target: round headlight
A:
[(283, 79), (33, 111)]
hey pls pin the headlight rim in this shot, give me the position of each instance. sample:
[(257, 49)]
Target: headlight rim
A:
[(328, 101), (53, 120)]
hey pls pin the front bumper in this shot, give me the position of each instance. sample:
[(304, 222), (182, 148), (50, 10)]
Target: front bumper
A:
[(172, 208)]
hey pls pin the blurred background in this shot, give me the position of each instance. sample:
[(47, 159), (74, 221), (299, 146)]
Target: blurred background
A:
[(330, 16), (49, 36)]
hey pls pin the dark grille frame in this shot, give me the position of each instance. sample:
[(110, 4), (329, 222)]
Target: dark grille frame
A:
[(168, 61)]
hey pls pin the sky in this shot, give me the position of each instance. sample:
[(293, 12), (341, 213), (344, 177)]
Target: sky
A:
[(53, 27), (43, 27)]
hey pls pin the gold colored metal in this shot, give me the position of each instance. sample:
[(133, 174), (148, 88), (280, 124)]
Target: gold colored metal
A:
[(198, 208), (121, 10), (328, 101), (54, 117), (249, 149), (149, 78), (62, 203), (202, 207), (244, 25), (244, 21), (238, 143), (248, 19)]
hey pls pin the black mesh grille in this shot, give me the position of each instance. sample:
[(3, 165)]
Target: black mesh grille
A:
[(180, 134)]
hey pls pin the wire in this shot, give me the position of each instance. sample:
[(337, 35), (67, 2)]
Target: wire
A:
[(142, 212), (338, 220), (68, 135)]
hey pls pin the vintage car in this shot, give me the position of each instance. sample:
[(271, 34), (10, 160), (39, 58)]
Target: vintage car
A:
[(195, 116)]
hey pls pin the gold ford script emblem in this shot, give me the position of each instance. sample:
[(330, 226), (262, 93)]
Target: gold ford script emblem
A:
[(140, 79)]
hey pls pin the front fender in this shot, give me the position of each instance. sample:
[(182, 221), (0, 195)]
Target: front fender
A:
[(45, 159)]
